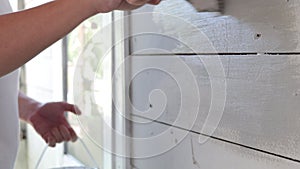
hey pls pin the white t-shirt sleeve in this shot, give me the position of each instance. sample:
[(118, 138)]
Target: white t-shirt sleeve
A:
[(9, 118), (5, 7)]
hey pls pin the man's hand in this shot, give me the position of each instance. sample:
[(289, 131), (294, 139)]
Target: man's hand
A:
[(103, 6), (50, 122)]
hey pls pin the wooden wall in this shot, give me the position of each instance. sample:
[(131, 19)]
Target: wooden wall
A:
[(245, 62)]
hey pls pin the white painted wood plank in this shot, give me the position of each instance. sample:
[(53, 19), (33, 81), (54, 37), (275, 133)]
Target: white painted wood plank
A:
[(189, 154), (262, 97), (246, 26)]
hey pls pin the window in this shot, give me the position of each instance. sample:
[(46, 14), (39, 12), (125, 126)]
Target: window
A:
[(89, 86), (71, 70)]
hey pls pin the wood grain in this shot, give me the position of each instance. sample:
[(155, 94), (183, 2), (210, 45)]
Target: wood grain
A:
[(188, 153), (247, 26), (262, 97)]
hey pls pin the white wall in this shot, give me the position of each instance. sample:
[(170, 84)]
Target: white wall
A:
[(255, 80)]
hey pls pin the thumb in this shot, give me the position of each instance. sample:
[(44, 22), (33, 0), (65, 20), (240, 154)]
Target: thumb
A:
[(71, 108)]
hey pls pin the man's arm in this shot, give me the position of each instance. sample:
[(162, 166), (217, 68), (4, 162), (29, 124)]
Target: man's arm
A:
[(25, 34), (48, 119)]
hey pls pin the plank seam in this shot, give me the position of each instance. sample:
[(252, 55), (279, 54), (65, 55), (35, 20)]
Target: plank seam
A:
[(223, 140), (220, 54)]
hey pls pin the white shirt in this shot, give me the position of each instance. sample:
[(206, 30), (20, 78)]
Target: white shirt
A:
[(9, 123)]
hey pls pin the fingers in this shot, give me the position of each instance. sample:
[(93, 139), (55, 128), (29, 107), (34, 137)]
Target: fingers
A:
[(137, 2), (50, 140), (142, 2), (73, 134), (57, 135), (60, 134), (68, 134), (65, 133)]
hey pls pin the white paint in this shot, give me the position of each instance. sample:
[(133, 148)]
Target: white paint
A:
[(189, 154), (246, 26), (262, 101)]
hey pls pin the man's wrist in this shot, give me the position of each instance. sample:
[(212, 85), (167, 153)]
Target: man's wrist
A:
[(27, 107), (34, 107)]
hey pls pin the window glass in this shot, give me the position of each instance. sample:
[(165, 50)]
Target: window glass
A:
[(89, 86)]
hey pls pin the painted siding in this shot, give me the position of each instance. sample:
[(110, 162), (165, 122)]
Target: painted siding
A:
[(255, 78), (189, 154), (261, 104), (246, 26)]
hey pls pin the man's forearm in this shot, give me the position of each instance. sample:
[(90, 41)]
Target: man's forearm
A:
[(25, 34), (27, 107)]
